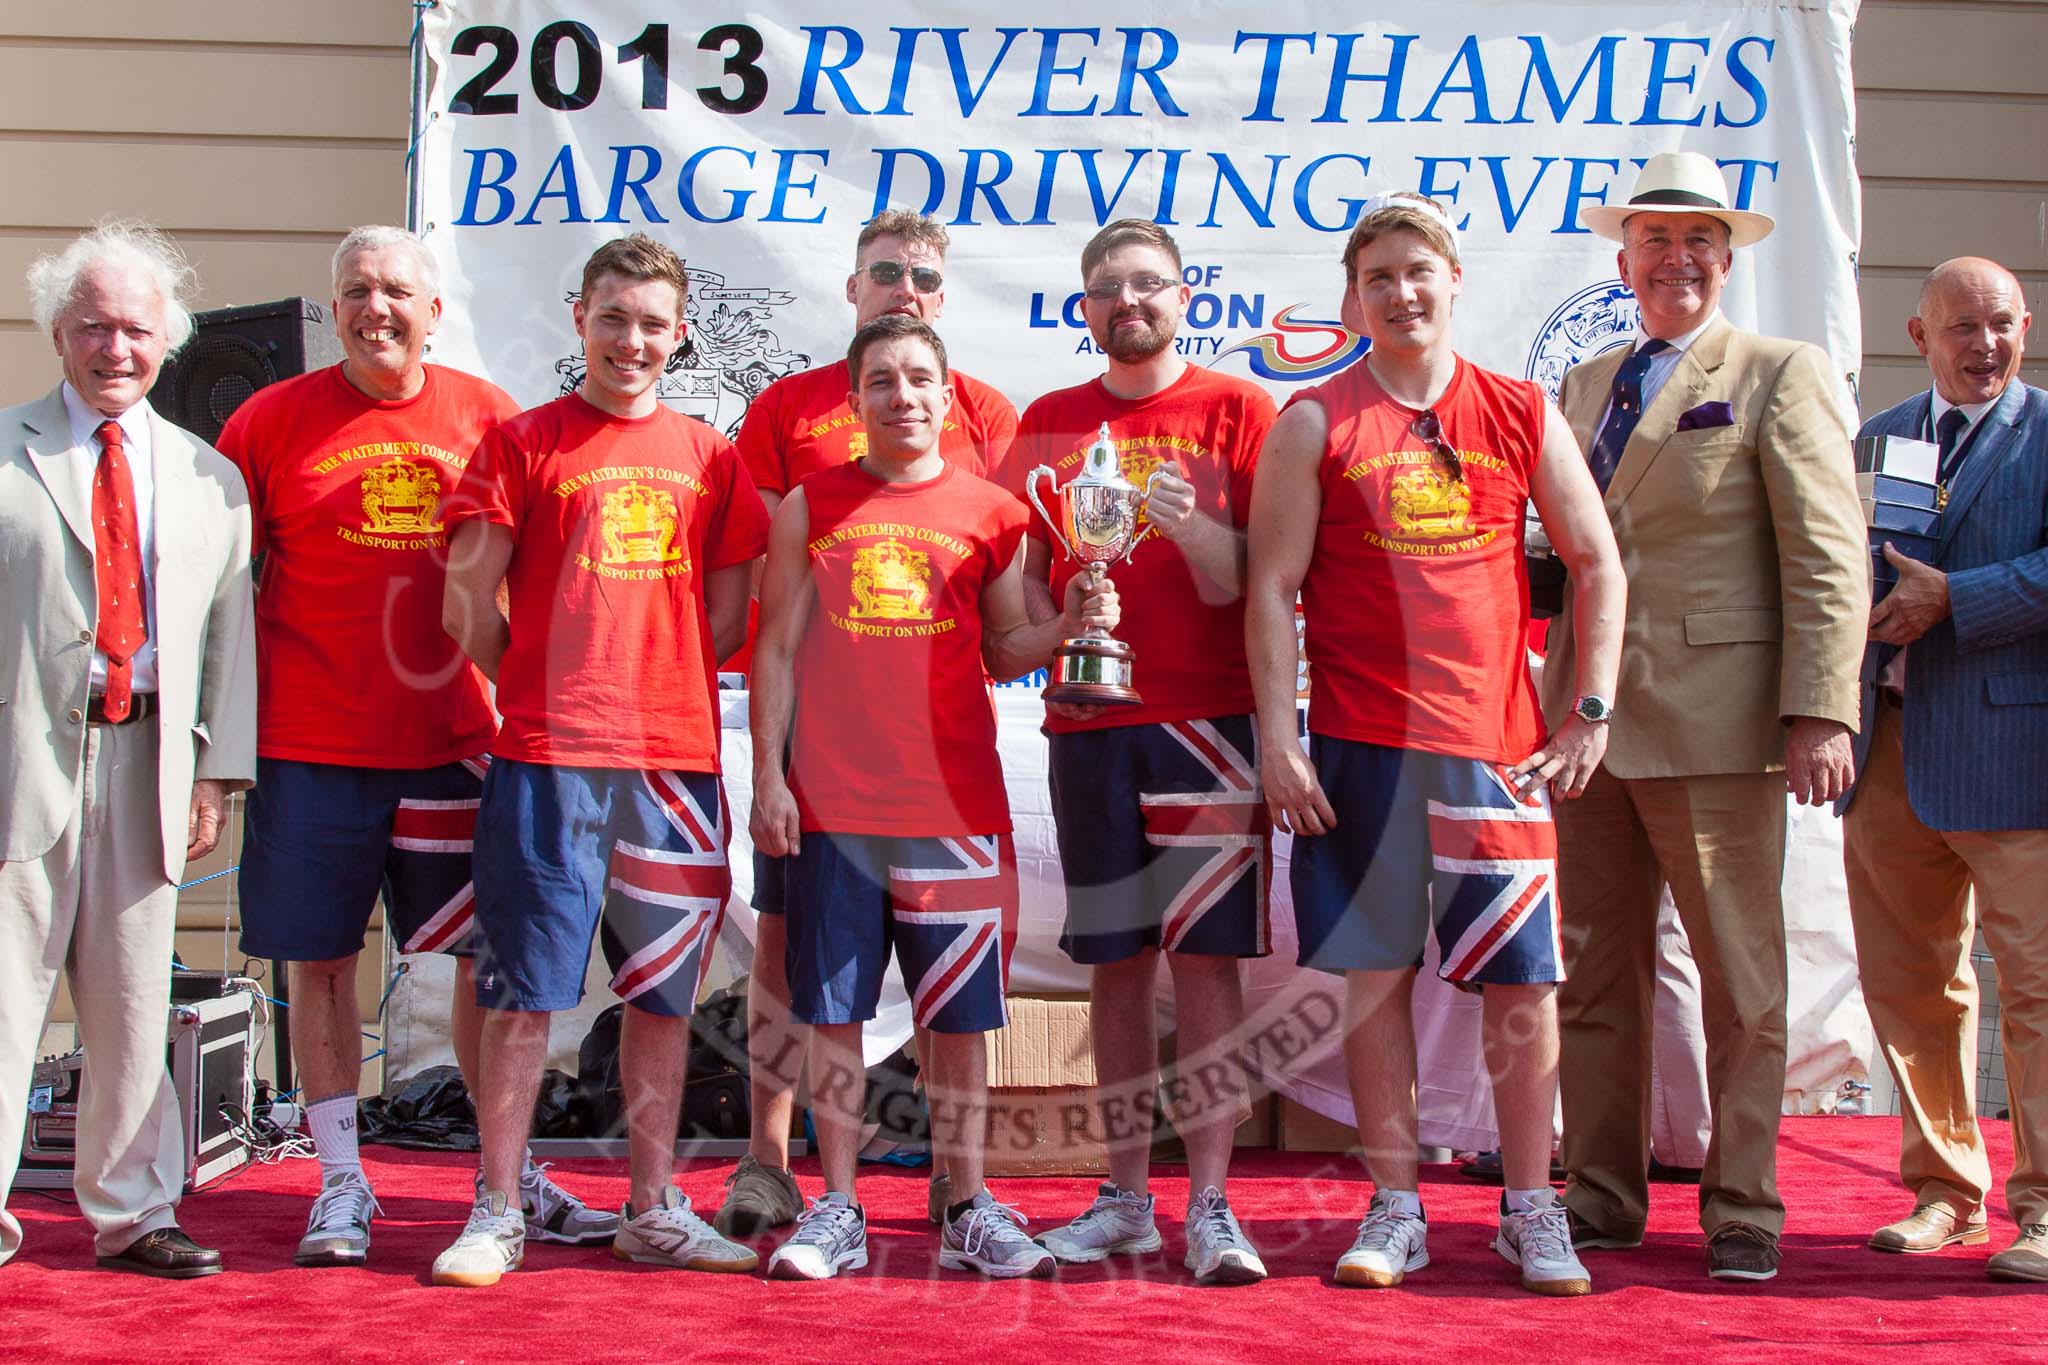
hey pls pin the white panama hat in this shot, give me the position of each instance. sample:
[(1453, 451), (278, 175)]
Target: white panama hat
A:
[(1679, 182)]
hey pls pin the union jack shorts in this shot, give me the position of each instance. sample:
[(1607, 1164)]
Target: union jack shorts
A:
[(321, 840), (947, 905), (639, 856), (1164, 839), (1427, 837)]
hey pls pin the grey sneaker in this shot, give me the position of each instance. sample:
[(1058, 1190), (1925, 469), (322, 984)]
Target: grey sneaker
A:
[(1540, 1242), (493, 1241), (338, 1229), (1218, 1250), (1118, 1223), (937, 1195), (990, 1239), (831, 1236), (555, 1215), (757, 1198), (1389, 1245), (669, 1234)]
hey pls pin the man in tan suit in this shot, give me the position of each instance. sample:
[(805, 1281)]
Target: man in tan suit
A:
[(1726, 464), (127, 713)]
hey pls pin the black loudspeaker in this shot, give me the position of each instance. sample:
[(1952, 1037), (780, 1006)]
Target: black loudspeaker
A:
[(236, 351)]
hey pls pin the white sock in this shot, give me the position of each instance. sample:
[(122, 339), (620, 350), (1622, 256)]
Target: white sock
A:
[(332, 1121), (1408, 1202), (1521, 1201)]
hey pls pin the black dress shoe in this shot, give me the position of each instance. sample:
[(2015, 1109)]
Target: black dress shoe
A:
[(167, 1254)]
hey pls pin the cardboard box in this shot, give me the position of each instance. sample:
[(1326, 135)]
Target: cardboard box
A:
[(1302, 1129), (1042, 1117)]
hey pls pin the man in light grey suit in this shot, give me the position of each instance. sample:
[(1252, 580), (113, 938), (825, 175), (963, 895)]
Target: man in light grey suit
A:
[(1953, 793), (127, 713)]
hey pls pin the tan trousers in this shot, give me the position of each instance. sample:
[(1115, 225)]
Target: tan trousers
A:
[(1909, 900), (1719, 843), (97, 907)]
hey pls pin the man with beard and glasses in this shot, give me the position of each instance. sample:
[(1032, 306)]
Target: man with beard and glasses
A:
[(1164, 840), (1392, 497)]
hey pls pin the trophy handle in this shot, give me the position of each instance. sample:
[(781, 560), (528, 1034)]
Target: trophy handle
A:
[(1150, 526), (1059, 532)]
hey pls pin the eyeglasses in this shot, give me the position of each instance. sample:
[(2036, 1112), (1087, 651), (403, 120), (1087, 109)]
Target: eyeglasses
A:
[(923, 278), (1430, 431), (1144, 286)]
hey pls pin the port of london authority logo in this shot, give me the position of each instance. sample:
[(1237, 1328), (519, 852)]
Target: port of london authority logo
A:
[(1595, 320)]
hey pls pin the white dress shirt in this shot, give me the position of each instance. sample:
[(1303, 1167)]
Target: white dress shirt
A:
[(141, 453)]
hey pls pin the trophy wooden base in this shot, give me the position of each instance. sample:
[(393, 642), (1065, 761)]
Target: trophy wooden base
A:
[(1092, 671)]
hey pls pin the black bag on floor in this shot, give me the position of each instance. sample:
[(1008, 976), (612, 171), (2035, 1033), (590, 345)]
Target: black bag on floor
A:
[(714, 1094)]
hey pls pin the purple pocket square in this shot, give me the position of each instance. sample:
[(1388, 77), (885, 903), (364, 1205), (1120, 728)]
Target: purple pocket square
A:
[(1707, 416)]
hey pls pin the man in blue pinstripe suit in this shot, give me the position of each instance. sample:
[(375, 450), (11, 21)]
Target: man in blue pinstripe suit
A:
[(1953, 793)]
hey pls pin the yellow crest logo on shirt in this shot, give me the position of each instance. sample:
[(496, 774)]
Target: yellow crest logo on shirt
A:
[(1424, 502), (401, 498), (891, 582), (1137, 466), (640, 525), (857, 445)]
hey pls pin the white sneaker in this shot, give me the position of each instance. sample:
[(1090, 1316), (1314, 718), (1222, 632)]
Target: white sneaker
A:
[(493, 1241), (831, 1236), (1540, 1242), (669, 1234), (338, 1228), (1118, 1223), (988, 1238), (1218, 1250), (555, 1215), (1389, 1245)]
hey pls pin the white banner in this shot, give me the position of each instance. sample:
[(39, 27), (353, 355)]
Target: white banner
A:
[(756, 141)]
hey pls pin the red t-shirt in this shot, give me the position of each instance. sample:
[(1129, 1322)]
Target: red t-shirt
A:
[(802, 423), (1186, 634), (618, 521), (1417, 599), (348, 495), (894, 732)]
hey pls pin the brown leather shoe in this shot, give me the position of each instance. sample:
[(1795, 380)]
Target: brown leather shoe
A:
[(2026, 1259), (1742, 1251), (1930, 1227), (167, 1254)]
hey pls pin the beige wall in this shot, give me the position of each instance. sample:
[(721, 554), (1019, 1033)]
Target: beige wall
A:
[(1952, 142)]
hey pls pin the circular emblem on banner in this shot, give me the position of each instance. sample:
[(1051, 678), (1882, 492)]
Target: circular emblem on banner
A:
[(1597, 318)]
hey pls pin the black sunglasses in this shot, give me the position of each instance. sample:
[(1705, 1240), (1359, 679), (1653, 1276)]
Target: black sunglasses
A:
[(923, 278), (1428, 430)]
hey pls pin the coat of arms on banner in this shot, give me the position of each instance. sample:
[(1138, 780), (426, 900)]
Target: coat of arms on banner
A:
[(728, 356), (1591, 322)]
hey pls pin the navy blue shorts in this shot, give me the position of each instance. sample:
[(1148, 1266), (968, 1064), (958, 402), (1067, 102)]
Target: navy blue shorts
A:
[(563, 851), (321, 841), (948, 906), (768, 876), (1164, 839), (1425, 836)]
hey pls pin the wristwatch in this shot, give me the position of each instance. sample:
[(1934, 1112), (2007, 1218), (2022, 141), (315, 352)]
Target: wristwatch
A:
[(1593, 710)]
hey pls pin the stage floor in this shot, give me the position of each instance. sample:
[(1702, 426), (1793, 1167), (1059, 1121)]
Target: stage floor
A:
[(1833, 1299)]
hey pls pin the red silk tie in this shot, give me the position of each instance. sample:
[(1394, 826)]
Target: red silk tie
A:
[(117, 565)]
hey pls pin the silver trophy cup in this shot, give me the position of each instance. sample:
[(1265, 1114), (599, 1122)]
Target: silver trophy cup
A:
[(1097, 525)]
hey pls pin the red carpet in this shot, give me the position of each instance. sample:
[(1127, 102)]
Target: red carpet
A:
[(1833, 1299)]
